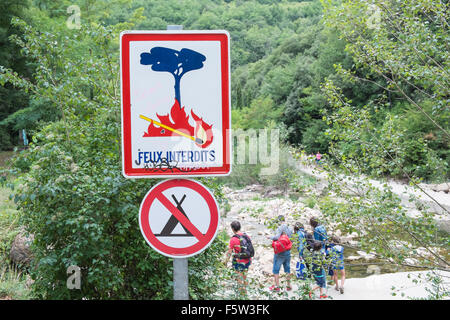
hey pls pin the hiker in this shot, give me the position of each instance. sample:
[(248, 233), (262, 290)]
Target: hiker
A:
[(282, 254), (242, 250), (307, 254), (320, 233), (301, 264), (301, 234), (318, 157), (336, 253), (318, 270), (309, 238)]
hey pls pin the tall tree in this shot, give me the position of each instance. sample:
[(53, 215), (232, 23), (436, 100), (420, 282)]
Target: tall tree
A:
[(11, 99)]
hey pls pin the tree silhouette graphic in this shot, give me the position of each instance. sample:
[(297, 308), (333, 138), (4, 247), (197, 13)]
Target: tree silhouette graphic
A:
[(173, 61)]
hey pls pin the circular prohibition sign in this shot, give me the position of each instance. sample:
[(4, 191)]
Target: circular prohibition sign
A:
[(195, 211)]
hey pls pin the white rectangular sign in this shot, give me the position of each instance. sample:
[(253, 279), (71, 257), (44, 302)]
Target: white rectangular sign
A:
[(175, 103)]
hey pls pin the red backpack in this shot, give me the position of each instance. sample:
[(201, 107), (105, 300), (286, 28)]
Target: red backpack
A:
[(282, 244)]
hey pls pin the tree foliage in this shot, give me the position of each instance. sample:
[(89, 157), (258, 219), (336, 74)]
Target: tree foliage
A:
[(71, 194), (402, 49), (365, 83)]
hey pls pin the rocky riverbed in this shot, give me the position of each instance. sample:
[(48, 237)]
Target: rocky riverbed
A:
[(255, 206)]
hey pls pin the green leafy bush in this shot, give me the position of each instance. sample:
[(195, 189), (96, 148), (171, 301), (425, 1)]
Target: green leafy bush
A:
[(70, 191)]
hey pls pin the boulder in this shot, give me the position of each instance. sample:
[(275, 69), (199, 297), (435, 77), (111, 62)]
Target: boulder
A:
[(272, 192), (411, 261), (353, 258), (365, 255), (443, 187), (255, 188), (444, 224), (20, 250)]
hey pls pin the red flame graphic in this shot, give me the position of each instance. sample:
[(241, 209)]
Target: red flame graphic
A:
[(180, 122)]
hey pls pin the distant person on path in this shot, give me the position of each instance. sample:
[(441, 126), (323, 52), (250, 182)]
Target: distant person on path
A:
[(318, 270), (282, 258), (336, 253), (240, 262), (320, 233), (318, 157)]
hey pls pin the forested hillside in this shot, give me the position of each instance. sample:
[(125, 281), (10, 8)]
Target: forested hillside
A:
[(282, 54)]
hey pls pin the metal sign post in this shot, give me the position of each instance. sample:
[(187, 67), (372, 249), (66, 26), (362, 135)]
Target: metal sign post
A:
[(180, 265), (179, 218), (182, 135), (180, 279)]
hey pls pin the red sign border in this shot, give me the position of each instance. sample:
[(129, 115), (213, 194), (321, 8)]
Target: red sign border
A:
[(125, 38), (166, 250)]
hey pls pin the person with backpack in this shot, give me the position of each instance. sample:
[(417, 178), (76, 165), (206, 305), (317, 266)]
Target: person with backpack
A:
[(320, 233), (241, 248), (318, 270), (281, 244), (307, 254), (301, 234), (301, 265), (336, 252)]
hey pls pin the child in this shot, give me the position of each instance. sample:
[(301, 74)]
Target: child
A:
[(300, 231), (318, 270), (336, 252), (301, 265)]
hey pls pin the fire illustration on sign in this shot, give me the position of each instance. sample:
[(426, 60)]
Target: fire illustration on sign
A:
[(177, 63)]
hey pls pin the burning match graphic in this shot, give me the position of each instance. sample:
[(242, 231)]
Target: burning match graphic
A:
[(196, 140), (201, 134)]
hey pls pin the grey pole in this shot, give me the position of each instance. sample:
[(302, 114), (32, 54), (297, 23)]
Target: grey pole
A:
[(180, 279), (180, 265)]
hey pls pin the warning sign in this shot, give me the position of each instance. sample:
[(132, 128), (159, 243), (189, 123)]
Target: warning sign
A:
[(175, 103), (179, 218)]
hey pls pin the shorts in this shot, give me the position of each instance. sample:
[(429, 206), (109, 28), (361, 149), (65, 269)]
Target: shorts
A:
[(320, 279), (282, 258), (241, 266), (338, 264)]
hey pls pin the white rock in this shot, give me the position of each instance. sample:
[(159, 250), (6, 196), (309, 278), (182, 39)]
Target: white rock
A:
[(411, 261), (352, 258), (365, 255)]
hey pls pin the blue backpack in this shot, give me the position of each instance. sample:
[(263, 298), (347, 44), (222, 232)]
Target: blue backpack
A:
[(301, 241), (320, 234), (300, 271)]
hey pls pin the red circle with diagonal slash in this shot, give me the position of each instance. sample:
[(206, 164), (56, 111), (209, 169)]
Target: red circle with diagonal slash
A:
[(156, 193)]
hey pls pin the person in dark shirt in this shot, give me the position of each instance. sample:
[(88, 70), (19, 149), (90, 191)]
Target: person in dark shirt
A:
[(317, 269), (320, 233)]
